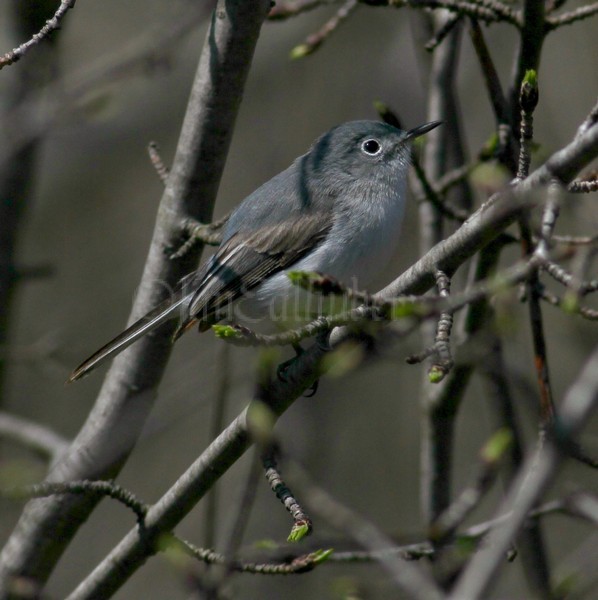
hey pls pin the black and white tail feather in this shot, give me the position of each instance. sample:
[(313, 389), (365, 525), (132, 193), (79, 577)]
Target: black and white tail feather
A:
[(165, 311)]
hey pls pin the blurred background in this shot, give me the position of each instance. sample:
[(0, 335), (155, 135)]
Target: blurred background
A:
[(90, 218)]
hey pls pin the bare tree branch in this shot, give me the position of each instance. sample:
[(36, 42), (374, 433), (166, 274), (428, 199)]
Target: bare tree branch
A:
[(17, 171), (485, 224), (113, 427), (127, 396), (583, 12), (482, 227), (38, 438), (538, 471), (221, 454), (408, 577), (40, 110), (315, 40), (51, 25)]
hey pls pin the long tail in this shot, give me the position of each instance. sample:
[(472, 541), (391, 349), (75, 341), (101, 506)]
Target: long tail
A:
[(162, 313)]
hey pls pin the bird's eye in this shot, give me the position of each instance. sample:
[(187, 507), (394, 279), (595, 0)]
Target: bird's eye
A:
[(371, 147)]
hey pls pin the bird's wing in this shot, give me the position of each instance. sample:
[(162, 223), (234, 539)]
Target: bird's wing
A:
[(242, 262), (246, 259)]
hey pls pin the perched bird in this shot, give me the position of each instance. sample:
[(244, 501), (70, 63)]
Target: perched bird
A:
[(337, 210)]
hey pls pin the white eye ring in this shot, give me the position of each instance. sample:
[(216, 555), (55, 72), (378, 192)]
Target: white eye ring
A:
[(371, 147)]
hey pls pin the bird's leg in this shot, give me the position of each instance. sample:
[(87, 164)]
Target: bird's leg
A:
[(282, 367)]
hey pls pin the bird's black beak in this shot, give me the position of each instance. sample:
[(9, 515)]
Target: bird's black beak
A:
[(417, 131)]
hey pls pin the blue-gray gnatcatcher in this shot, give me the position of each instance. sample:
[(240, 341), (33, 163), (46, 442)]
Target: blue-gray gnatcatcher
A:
[(336, 210)]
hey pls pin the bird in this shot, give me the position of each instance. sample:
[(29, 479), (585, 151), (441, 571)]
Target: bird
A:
[(337, 210)]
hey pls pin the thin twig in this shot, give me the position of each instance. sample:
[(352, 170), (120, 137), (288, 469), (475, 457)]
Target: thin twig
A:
[(238, 335), (32, 435), (51, 25), (566, 278), (407, 552), (489, 72), (440, 349), (528, 100), (406, 576), (299, 564), (443, 360), (487, 11), (83, 487), (538, 471), (110, 489), (583, 186), (482, 227), (302, 524), (419, 357), (583, 12), (128, 394), (315, 40), (454, 177), (506, 143), (417, 308), (540, 354), (217, 423), (584, 508), (161, 169), (532, 37), (198, 233), (572, 240), (291, 8), (444, 30), (445, 526), (430, 194), (587, 313)]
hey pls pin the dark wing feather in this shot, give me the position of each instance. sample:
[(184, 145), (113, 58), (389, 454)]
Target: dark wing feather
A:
[(245, 260)]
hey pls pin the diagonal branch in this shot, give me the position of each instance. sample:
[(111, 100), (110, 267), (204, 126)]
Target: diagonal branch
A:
[(220, 455), (495, 215), (583, 12), (38, 438), (113, 426), (538, 471), (51, 25), (479, 230)]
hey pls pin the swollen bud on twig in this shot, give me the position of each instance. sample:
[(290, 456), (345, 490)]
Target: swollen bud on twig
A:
[(490, 148), (311, 560), (298, 532), (227, 332), (436, 374), (313, 281), (528, 95), (301, 51), (496, 446)]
